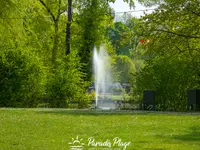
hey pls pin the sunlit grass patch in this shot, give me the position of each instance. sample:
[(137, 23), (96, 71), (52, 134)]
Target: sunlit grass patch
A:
[(54, 129)]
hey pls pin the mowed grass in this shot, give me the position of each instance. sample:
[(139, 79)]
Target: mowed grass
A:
[(53, 129)]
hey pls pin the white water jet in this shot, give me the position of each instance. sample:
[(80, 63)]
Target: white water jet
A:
[(102, 72)]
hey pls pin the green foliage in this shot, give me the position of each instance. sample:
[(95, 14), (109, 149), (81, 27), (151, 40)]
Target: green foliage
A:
[(35, 71), (125, 37), (6, 5), (22, 79), (120, 36), (65, 84), (169, 36), (126, 68), (36, 35), (170, 78), (172, 58), (92, 95), (92, 21)]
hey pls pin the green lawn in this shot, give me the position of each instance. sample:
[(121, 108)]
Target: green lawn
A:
[(49, 129)]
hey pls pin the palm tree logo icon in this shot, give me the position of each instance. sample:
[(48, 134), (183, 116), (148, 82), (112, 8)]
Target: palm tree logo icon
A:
[(76, 144)]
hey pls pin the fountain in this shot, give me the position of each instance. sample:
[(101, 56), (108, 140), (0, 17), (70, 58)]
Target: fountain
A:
[(102, 75)]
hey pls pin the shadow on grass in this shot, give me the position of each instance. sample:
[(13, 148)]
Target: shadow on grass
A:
[(192, 134), (94, 112)]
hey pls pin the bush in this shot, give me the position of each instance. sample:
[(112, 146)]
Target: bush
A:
[(43, 105), (126, 68), (66, 84), (117, 91), (22, 79), (169, 78)]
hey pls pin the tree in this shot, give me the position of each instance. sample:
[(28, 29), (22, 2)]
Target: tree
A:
[(125, 37), (26, 73), (178, 22), (68, 27), (55, 18), (126, 68), (173, 65), (22, 78), (120, 37), (91, 20), (6, 6), (33, 65)]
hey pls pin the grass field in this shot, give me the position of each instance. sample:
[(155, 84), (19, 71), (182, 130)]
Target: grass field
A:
[(53, 129)]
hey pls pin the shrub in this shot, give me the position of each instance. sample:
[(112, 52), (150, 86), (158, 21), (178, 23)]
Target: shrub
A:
[(66, 84), (22, 79), (170, 78), (126, 68)]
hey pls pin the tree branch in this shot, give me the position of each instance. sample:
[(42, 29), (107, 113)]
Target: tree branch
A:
[(48, 10), (180, 50), (59, 4), (193, 12), (178, 34), (62, 11)]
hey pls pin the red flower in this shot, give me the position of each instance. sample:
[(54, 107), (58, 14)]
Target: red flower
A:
[(142, 41)]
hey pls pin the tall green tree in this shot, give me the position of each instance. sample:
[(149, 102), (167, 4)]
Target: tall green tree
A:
[(68, 27), (173, 64), (55, 10), (26, 52), (92, 20)]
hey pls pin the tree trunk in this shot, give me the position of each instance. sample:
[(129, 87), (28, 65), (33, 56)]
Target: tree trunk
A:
[(55, 43), (68, 27)]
